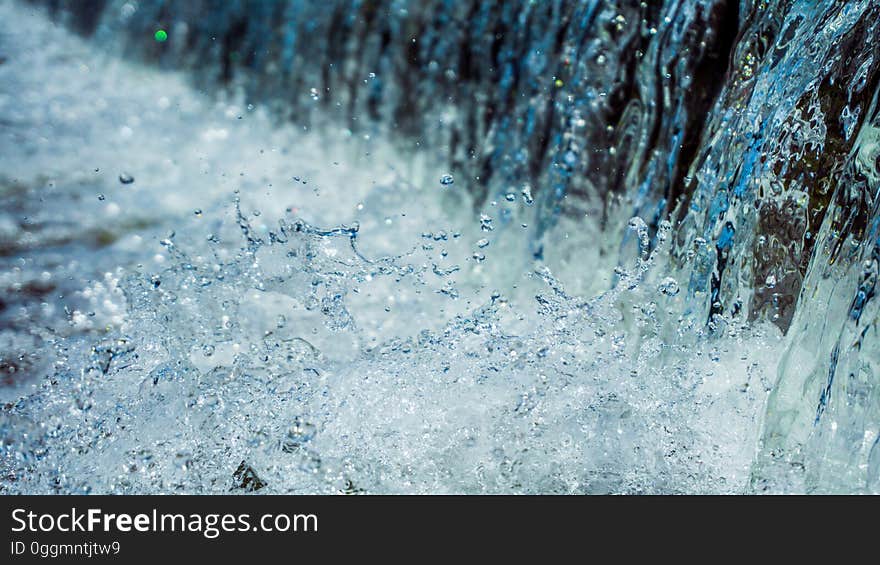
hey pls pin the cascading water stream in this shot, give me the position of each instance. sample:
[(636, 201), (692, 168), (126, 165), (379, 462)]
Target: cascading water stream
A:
[(441, 246)]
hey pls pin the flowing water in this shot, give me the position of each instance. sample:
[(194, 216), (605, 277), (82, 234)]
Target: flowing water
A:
[(440, 247)]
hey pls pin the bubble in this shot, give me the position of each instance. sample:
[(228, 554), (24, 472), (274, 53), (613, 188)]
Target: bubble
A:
[(639, 226), (668, 286), (298, 434), (447, 180)]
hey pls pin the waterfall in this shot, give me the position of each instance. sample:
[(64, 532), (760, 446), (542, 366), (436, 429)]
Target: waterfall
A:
[(742, 137)]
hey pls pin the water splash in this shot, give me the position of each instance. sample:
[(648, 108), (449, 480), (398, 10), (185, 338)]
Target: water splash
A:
[(553, 394), (407, 363)]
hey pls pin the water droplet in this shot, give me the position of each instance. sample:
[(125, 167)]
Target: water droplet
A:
[(639, 226), (299, 433), (668, 286), (447, 180), (126, 178)]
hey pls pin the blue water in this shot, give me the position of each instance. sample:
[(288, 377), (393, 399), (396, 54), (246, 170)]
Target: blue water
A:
[(527, 247)]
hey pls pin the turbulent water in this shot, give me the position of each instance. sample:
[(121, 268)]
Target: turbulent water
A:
[(440, 247)]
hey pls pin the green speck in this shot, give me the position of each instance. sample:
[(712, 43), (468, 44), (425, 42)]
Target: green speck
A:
[(161, 35), (559, 83)]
